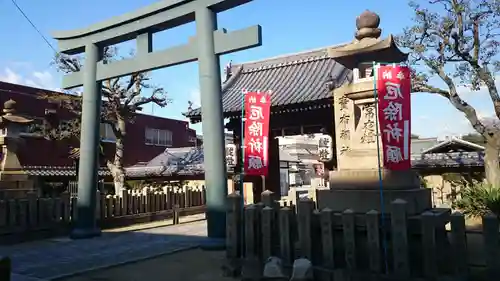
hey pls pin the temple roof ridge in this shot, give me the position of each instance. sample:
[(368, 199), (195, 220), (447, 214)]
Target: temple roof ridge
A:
[(296, 78), (290, 58), (305, 80), (304, 56)]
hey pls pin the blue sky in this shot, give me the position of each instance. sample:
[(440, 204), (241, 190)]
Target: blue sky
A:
[(288, 26)]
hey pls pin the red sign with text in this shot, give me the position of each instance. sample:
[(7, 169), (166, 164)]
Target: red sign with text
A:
[(257, 109), (394, 111)]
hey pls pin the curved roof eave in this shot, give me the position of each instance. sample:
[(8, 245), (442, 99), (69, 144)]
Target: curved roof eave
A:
[(369, 46)]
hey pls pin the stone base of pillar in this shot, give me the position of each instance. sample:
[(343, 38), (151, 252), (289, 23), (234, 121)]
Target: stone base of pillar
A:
[(362, 201), (370, 179), (359, 190)]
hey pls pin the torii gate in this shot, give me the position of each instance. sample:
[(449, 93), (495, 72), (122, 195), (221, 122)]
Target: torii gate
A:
[(206, 47)]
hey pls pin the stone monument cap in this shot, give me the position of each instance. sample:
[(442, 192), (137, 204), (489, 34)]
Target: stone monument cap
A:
[(9, 113), (367, 25), (367, 19), (9, 107)]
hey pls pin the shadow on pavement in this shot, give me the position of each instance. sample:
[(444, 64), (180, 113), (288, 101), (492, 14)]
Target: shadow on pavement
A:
[(59, 257)]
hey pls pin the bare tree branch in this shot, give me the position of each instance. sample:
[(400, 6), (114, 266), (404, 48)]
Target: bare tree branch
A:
[(457, 41), (459, 34), (122, 98)]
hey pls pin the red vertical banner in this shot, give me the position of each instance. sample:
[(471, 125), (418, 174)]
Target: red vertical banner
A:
[(256, 142), (394, 111)]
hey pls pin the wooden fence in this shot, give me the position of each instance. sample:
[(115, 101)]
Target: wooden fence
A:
[(73, 187), (32, 214), (358, 246)]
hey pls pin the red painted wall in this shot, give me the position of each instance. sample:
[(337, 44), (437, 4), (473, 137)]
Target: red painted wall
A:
[(41, 152)]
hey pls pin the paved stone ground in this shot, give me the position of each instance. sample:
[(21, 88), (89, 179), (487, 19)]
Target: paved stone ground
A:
[(190, 265), (53, 258)]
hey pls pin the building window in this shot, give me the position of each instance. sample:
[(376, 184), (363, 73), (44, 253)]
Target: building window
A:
[(158, 137), (107, 134)]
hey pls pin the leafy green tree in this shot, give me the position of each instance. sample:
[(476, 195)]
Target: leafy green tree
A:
[(456, 41)]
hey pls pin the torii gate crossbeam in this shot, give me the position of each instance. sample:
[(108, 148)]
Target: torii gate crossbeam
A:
[(206, 47)]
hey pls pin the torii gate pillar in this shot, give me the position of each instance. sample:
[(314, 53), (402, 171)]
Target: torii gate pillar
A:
[(213, 123), (141, 24)]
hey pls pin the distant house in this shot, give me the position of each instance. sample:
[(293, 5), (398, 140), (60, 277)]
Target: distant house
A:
[(147, 136), (186, 162), (172, 163), (452, 156)]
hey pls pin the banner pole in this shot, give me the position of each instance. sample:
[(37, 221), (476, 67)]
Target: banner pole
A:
[(379, 162), (242, 173), (242, 146)]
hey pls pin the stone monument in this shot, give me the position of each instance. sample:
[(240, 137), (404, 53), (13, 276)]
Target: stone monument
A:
[(13, 181), (355, 185)]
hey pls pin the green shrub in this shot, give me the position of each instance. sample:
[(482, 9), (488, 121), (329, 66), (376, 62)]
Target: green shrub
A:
[(478, 199)]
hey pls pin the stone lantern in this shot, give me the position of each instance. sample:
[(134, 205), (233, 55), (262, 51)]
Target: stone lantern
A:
[(12, 178), (356, 184)]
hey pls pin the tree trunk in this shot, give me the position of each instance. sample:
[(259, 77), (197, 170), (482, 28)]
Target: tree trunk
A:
[(491, 162), (118, 174), (116, 167)]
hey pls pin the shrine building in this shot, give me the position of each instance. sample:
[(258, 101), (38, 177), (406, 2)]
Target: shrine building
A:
[(306, 90)]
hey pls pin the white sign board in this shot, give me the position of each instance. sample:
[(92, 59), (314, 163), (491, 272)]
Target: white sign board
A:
[(231, 158), (325, 148)]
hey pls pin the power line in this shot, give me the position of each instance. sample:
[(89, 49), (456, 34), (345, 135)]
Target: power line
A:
[(33, 25)]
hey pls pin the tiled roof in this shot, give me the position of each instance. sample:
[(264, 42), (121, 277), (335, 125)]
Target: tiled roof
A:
[(54, 171), (293, 79), (453, 159), (453, 145), (178, 156), (173, 161), (184, 161), (192, 164)]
